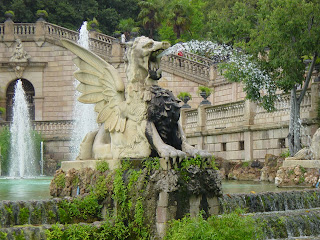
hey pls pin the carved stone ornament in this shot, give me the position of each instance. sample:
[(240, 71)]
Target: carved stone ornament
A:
[(130, 115), (19, 54)]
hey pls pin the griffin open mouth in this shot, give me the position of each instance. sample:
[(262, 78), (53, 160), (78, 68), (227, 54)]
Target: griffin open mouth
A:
[(154, 65)]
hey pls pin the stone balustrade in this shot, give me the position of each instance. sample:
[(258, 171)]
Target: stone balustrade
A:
[(283, 110), (236, 114), (198, 58), (193, 66), (47, 129), (197, 70), (57, 32), (24, 29), (227, 115)]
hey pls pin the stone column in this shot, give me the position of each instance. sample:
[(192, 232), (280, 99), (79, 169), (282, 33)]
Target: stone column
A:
[(116, 52), (162, 213), (40, 32), (248, 145), (315, 88), (9, 31), (249, 112), (202, 119)]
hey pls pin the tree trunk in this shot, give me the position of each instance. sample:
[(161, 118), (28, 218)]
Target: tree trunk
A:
[(294, 137), (292, 123)]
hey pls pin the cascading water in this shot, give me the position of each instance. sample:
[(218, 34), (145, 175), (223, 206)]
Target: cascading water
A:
[(83, 114), (22, 154)]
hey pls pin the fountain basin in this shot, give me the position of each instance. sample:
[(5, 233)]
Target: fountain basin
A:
[(16, 189)]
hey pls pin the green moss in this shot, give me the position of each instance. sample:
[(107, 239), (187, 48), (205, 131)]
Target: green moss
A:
[(75, 181), (51, 216), (301, 179), (23, 215), (10, 213), (60, 180), (36, 215), (245, 164), (19, 236), (80, 209), (3, 236)]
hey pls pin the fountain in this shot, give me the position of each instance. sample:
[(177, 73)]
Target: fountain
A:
[(83, 114), (22, 154)]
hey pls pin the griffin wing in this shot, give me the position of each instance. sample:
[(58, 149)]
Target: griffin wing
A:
[(100, 84)]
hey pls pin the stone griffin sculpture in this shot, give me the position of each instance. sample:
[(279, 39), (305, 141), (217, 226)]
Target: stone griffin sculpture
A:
[(137, 120)]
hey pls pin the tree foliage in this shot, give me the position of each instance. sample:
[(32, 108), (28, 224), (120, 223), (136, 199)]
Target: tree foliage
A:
[(283, 32)]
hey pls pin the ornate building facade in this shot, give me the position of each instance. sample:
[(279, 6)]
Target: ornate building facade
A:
[(231, 127)]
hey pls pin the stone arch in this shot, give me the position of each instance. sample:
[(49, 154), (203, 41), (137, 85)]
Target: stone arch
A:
[(29, 90)]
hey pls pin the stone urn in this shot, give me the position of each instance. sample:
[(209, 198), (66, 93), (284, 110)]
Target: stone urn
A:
[(205, 95), (185, 101), (8, 16)]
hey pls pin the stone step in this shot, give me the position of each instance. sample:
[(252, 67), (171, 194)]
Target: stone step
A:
[(270, 201), (291, 224)]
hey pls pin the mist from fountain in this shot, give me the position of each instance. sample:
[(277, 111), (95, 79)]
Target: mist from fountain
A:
[(83, 114), (22, 152)]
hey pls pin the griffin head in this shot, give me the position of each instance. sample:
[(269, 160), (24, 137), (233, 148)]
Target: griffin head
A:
[(143, 54)]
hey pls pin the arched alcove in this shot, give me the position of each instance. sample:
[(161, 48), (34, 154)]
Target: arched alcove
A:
[(29, 90)]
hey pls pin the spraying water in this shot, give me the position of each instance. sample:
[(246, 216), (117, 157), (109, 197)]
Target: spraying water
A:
[(22, 154), (83, 114)]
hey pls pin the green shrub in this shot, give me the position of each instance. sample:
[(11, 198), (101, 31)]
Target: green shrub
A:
[(102, 166), (79, 209), (60, 180), (230, 226), (182, 95), (285, 154), (42, 13), (5, 149), (205, 89), (151, 163), (24, 215), (9, 12)]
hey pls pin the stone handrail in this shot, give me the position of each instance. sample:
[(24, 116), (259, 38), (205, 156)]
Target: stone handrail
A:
[(100, 47), (49, 128), (58, 32), (198, 58), (104, 38), (186, 66)]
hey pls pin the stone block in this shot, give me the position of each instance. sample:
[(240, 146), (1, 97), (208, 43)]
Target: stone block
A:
[(161, 229), (194, 202), (163, 199), (213, 206), (161, 215)]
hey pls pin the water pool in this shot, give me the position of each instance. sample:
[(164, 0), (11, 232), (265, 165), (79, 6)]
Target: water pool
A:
[(234, 186), (25, 189)]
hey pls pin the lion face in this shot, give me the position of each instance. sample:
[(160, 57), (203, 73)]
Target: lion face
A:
[(144, 53)]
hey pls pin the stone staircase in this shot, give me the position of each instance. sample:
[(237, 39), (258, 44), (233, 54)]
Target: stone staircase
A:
[(283, 215)]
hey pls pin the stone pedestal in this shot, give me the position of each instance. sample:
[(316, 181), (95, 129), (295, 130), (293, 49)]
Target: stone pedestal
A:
[(80, 164)]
